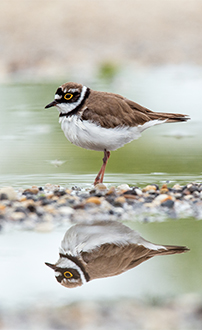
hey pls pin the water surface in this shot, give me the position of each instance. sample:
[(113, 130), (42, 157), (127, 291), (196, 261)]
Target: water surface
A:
[(26, 281)]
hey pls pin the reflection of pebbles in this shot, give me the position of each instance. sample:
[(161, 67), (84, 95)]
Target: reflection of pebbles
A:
[(102, 249)]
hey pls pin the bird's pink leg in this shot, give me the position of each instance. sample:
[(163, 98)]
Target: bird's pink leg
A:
[(100, 176)]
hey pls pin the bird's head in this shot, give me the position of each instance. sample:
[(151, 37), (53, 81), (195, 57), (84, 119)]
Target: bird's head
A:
[(68, 97), (69, 271)]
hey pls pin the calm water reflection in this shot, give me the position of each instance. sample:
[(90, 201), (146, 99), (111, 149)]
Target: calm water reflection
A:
[(103, 249), (26, 280)]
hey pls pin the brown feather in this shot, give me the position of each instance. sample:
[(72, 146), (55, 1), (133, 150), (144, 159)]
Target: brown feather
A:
[(111, 259), (111, 110)]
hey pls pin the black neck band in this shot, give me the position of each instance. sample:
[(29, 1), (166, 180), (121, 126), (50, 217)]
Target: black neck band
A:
[(75, 110), (78, 263)]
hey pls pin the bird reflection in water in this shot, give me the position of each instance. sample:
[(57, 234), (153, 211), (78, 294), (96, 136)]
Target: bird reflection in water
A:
[(103, 249)]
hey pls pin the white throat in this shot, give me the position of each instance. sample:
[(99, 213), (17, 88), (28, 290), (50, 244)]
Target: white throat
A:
[(67, 107)]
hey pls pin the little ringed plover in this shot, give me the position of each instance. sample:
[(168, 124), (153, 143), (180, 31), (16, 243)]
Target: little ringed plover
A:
[(103, 121)]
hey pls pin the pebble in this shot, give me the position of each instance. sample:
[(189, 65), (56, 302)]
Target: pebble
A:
[(149, 188), (119, 201), (94, 200), (44, 208), (100, 186), (123, 188), (164, 189), (8, 193), (34, 190)]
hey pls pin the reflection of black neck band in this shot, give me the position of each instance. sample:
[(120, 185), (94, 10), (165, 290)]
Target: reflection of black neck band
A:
[(74, 111), (78, 263)]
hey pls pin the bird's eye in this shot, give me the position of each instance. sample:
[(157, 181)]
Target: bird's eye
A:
[(68, 274), (68, 96)]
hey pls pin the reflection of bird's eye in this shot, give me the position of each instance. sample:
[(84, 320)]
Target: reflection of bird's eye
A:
[(68, 274)]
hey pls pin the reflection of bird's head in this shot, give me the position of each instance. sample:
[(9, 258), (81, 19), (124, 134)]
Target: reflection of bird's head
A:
[(69, 271)]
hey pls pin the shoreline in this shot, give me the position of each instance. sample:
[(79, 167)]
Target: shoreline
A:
[(45, 208)]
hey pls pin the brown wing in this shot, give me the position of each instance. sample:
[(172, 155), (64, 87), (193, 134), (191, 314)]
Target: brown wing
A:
[(111, 259), (112, 110)]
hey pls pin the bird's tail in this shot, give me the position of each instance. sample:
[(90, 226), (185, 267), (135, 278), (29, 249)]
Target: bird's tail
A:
[(170, 249), (168, 117)]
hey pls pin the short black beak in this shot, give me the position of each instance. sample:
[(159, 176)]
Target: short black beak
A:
[(52, 104), (50, 265)]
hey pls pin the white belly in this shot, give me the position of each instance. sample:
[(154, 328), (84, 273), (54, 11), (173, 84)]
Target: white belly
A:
[(91, 136)]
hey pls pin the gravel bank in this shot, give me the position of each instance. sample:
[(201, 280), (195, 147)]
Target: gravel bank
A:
[(44, 208)]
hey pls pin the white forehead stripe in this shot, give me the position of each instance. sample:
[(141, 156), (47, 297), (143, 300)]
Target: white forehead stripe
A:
[(73, 90), (57, 97)]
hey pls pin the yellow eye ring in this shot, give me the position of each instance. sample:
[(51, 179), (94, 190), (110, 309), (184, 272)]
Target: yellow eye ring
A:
[(68, 274), (68, 96)]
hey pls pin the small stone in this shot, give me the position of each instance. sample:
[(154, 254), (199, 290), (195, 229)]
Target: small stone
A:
[(31, 208), (122, 188), (186, 192), (177, 195), (193, 188), (75, 188), (120, 200), (188, 197), (62, 201), (17, 216), (196, 193), (51, 196), (128, 196), (94, 200), (65, 210), (112, 190), (3, 196), (51, 187), (100, 186), (149, 188), (138, 191), (48, 208), (59, 193), (168, 203), (161, 199), (177, 187), (23, 198), (9, 192), (2, 207), (164, 189), (32, 191)]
